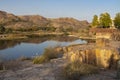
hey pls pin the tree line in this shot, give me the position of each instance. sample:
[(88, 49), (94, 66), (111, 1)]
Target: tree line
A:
[(105, 21)]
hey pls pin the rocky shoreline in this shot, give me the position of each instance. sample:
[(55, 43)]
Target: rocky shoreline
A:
[(52, 70)]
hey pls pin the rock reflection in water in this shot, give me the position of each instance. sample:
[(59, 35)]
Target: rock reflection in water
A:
[(12, 49)]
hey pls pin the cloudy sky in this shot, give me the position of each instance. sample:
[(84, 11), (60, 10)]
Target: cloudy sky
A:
[(79, 9)]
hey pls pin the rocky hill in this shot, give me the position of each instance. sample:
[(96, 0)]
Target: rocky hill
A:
[(35, 19), (7, 17), (27, 21), (68, 22)]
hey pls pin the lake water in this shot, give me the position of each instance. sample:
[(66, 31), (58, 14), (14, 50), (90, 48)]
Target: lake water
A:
[(12, 49)]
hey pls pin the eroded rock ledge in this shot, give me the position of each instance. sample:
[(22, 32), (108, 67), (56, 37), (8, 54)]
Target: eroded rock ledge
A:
[(103, 53)]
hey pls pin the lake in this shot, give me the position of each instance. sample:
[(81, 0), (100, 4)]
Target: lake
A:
[(13, 49)]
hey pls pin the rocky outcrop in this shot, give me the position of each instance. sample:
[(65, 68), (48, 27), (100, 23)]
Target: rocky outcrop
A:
[(107, 58), (101, 54)]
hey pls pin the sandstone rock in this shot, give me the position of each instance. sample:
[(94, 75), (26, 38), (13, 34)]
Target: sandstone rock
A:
[(65, 49), (101, 55), (76, 57), (101, 42)]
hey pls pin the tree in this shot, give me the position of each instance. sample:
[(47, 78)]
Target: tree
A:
[(105, 20), (2, 29), (117, 21), (95, 21)]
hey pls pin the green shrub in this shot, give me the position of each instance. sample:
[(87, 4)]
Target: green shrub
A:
[(73, 71), (49, 53)]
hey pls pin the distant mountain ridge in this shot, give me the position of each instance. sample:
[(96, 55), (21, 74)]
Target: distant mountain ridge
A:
[(26, 21)]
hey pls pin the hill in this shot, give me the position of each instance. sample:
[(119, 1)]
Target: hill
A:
[(28, 21), (68, 23)]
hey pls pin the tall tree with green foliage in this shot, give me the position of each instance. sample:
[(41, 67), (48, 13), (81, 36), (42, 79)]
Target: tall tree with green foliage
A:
[(117, 21), (105, 20), (2, 29), (95, 21)]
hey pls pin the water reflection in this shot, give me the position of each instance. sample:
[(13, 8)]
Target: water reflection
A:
[(12, 49)]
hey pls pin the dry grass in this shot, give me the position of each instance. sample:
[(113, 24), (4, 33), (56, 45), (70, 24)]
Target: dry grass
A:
[(23, 58), (10, 65), (40, 59), (73, 71), (49, 53)]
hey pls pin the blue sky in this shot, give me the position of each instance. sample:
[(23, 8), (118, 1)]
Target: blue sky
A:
[(79, 9)]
